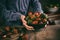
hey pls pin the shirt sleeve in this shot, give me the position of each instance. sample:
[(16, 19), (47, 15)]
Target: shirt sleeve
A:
[(9, 15), (37, 6)]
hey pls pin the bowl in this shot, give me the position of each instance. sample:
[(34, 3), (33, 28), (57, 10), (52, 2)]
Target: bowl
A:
[(37, 26)]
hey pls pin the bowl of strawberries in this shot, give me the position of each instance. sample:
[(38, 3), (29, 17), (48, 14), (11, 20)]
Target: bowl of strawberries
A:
[(37, 20)]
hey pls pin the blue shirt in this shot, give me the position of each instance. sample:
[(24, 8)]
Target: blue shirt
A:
[(12, 9)]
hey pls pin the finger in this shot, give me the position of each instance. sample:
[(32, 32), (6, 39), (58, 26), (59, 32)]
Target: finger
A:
[(30, 28)]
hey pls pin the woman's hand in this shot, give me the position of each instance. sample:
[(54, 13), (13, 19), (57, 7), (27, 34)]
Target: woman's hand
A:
[(28, 27), (25, 23)]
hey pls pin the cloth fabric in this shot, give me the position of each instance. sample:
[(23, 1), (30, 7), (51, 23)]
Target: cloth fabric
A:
[(13, 9)]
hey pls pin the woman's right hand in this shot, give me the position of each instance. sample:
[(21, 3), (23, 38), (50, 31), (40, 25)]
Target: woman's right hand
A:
[(28, 27), (25, 23)]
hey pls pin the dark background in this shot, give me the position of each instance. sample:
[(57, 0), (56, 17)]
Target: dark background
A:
[(50, 3)]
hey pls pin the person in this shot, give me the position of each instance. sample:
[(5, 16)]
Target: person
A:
[(14, 11)]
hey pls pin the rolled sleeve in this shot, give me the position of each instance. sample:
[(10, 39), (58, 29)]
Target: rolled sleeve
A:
[(37, 6), (11, 16)]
